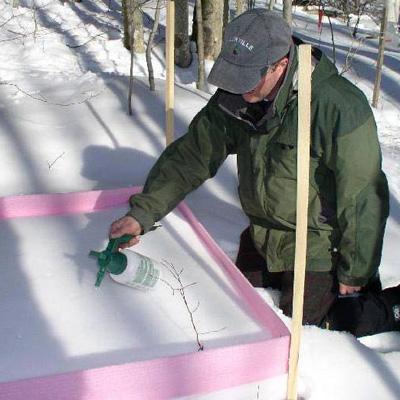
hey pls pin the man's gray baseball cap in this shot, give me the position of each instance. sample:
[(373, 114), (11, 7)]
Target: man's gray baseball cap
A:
[(253, 41)]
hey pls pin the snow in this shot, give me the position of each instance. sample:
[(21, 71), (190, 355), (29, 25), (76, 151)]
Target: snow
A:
[(64, 127), (83, 327)]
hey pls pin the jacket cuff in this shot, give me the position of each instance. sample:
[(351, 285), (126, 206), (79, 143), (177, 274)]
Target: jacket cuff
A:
[(351, 280), (144, 219)]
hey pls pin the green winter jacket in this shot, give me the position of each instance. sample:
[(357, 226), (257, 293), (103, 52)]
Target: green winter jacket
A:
[(348, 198)]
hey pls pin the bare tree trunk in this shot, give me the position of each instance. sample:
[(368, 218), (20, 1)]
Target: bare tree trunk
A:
[(381, 55), (170, 76), (133, 14), (393, 11), (240, 8), (213, 12), (346, 13), (33, 9), (287, 11), (125, 15), (183, 56), (200, 46), (150, 46), (360, 12), (138, 32), (226, 13), (333, 40), (322, 9), (271, 4), (132, 51)]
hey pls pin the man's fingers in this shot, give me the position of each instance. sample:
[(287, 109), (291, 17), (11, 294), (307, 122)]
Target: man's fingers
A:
[(116, 228), (126, 225), (132, 242), (346, 289), (342, 290)]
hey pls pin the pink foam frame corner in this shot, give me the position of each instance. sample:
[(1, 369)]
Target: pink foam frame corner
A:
[(164, 378)]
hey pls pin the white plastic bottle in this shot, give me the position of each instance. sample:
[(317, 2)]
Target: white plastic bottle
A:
[(141, 272), (126, 266)]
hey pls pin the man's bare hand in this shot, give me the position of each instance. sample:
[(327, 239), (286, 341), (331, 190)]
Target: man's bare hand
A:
[(126, 225), (346, 289)]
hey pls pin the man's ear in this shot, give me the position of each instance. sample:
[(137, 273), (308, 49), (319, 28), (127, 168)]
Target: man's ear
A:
[(284, 61)]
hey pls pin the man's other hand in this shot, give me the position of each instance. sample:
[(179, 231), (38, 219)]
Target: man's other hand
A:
[(126, 225), (346, 289)]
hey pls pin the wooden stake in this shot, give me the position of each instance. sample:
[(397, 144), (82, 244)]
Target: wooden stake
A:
[(169, 93), (303, 173)]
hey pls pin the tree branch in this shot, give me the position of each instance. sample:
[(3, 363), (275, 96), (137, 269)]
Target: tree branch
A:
[(44, 100)]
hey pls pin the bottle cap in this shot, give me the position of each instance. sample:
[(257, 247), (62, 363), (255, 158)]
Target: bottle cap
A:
[(111, 259)]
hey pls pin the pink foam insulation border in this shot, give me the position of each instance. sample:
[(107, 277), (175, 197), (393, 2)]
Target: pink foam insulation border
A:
[(164, 378)]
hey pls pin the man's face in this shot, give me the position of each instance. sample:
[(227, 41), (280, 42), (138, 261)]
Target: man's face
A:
[(269, 84)]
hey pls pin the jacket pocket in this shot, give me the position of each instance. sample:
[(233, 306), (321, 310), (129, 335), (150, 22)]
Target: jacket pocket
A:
[(281, 181), (281, 187)]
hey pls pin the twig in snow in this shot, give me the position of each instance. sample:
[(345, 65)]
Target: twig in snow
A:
[(7, 21), (23, 91), (19, 33), (43, 100), (52, 163), (85, 43), (196, 308), (10, 39), (214, 331), (181, 290)]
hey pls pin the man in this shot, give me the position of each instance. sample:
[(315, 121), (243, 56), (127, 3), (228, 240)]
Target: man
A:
[(254, 115)]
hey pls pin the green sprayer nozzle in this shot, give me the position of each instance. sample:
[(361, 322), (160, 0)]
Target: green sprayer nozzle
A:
[(111, 259)]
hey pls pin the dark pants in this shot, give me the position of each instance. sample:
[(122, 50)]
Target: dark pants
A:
[(365, 313)]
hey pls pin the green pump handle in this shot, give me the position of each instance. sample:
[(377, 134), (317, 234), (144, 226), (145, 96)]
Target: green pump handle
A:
[(113, 244), (105, 257)]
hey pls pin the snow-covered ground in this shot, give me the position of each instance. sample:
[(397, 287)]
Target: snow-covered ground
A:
[(64, 127)]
